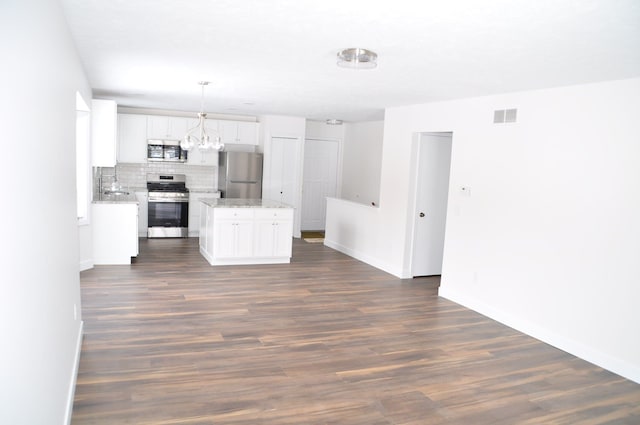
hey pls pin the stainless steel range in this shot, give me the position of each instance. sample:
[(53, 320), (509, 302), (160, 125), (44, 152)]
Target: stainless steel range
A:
[(168, 206)]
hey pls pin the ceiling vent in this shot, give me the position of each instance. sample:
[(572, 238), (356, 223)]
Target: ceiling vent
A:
[(505, 116)]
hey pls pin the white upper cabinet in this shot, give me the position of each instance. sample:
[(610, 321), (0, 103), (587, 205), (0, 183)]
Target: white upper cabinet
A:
[(134, 130), (248, 133), (104, 117), (199, 157), (132, 138), (238, 132), (161, 127)]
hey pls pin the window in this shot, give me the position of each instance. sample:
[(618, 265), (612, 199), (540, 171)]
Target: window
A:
[(83, 165)]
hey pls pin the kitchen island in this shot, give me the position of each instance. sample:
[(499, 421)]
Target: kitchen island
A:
[(245, 231)]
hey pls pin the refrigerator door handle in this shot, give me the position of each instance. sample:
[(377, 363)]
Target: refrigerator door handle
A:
[(243, 181)]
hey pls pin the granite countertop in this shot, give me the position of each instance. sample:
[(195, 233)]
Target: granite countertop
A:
[(128, 198), (203, 190), (243, 203)]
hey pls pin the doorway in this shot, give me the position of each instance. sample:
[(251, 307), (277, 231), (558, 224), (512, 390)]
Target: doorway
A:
[(430, 208), (320, 180)]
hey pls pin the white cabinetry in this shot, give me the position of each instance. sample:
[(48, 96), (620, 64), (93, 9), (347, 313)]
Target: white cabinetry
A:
[(272, 236), (132, 138), (115, 232), (194, 210), (161, 127), (143, 212), (206, 230), (232, 233), (104, 117), (238, 132), (198, 157), (246, 235), (248, 133), (133, 131)]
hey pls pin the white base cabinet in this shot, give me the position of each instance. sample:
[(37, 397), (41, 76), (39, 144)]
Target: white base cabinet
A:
[(273, 232), (115, 232), (246, 235), (194, 210), (232, 238), (143, 213)]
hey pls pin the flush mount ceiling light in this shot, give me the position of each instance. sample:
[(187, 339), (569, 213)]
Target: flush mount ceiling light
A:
[(357, 58), (198, 134), (334, 121)]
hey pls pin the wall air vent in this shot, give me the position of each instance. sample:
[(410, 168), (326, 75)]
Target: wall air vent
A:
[(505, 116)]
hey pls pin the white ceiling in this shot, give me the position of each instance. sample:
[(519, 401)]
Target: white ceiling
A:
[(279, 56)]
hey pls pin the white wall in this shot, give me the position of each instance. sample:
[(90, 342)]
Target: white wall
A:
[(362, 158), (39, 280), (280, 126), (549, 240), (322, 130)]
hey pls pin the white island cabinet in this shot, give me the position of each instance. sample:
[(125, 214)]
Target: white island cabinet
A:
[(194, 209), (245, 231)]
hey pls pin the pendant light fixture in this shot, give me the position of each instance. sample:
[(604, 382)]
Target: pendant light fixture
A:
[(198, 134), (357, 58)]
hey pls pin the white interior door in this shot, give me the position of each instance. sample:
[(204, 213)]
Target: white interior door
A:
[(282, 186), (320, 180), (432, 189), (283, 175)]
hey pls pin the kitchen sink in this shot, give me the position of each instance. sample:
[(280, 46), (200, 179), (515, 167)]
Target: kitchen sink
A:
[(116, 192)]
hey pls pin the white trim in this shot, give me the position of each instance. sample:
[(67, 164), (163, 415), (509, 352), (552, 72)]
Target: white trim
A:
[(74, 376), (589, 354), (86, 265)]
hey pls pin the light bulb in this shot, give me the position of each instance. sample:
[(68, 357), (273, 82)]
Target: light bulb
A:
[(205, 144)]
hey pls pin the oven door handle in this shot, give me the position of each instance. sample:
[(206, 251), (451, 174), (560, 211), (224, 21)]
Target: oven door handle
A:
[(167, 200)]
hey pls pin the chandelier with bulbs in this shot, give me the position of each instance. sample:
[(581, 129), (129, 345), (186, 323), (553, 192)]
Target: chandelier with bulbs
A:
[(199, 136)]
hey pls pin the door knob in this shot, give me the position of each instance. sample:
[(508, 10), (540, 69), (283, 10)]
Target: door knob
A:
[(421, 214)]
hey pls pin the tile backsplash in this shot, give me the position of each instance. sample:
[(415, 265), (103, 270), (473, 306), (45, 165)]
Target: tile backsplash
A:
[(134, 176)]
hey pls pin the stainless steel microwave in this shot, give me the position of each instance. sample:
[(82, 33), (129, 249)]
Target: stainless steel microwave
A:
[(165, 150)]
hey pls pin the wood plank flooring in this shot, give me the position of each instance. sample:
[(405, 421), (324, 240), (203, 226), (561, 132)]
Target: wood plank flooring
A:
[(323, 340)]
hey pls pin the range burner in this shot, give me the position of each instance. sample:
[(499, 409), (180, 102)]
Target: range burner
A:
[(167, 183)]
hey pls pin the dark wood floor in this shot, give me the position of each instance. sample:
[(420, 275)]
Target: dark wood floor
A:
[(323, 340)]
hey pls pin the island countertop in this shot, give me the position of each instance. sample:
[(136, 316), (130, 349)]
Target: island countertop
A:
[(242, 203)]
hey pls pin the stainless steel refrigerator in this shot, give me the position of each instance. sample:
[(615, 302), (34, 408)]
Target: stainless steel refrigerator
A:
[(240, 175)]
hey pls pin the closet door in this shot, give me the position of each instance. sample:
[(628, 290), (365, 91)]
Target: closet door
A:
[(320, 180), (282, 185)]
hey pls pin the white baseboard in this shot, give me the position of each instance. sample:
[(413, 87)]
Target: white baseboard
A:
[(74, 375), (578, 349), (364, 258), (86, 265)]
